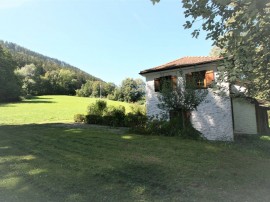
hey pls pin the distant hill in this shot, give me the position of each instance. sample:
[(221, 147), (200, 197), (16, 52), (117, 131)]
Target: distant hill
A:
[(24, 56)]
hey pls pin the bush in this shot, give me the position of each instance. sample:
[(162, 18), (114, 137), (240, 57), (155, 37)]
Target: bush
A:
[(93, 119), (79, 118), (97, 108), (117, 115), (174, 127), (135, 120)]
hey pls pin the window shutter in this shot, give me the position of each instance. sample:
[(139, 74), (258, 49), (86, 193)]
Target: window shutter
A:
[(157, 84), (174, 81), (209, 77), (189, 78)]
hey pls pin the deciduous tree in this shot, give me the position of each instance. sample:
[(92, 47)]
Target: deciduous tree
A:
[(9, 85), (241, 28)]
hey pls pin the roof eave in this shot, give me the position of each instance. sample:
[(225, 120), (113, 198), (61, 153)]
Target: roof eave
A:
[(175, 67)]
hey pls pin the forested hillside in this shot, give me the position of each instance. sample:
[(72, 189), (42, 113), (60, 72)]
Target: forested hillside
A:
[(41, 75), (24, 56), (27, 73)]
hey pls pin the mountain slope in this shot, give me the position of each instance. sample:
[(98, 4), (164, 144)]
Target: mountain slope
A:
[(24, 56)]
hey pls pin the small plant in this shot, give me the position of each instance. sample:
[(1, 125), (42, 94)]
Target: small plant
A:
[(79, 118)]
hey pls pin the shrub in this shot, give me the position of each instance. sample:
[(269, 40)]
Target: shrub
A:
[(97, 108), (93, 119), (117, 115), (79, 118), (135, 120), (163, 127)]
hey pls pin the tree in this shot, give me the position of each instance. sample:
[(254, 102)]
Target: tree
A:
[(181, 99), (30, 79), (241, 29), (9, 85), (132, 90)]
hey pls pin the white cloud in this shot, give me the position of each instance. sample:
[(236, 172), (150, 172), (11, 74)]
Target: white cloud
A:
[(12, 3)]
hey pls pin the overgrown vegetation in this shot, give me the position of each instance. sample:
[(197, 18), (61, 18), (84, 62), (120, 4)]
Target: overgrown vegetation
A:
[(103, 114)]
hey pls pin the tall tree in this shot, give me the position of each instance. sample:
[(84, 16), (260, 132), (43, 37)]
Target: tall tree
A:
[(30, 78), (241, 29), (9, 85), (132, 90)]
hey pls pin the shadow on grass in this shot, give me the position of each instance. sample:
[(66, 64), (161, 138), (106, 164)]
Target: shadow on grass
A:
[(50, 163), (54, 162), (34, 100), (37, 101)]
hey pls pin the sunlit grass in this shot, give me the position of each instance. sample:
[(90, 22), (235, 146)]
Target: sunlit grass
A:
[(48, 109), (265, 138)]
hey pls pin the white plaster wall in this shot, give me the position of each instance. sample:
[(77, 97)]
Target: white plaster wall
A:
[(244, 114), (213, 117)]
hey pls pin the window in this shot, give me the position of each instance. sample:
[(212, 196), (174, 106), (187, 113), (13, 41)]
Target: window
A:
[(158, 82), (202, 79)]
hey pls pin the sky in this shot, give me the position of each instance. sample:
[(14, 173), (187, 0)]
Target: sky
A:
[(110, 39)]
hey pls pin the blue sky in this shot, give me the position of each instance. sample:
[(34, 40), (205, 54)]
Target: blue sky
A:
[(110, 39)]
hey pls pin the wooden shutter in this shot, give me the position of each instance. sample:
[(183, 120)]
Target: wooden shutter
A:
[(157, 84), (174, 82), (209, 77)]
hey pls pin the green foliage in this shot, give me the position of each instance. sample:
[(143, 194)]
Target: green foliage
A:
[(103, 114), (136, 121), (241, 29), (41, 75), (9, 84), (93, 119), (79, 118), (180, 99), (183, 97), (130, 90), (98, 108), (96, 89), (162, 127)]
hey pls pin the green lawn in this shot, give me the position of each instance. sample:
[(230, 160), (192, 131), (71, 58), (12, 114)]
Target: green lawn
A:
[(48, 109), (70, 162), (56, 162)]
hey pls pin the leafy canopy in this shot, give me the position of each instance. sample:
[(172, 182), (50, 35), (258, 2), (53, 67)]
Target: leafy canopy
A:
[(241, 29)]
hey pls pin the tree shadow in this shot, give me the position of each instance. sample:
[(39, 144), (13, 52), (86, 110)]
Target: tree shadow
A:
[(63, 164), (37, 101), (33, 100)]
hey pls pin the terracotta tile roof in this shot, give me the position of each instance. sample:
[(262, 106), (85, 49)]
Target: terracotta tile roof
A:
[(182, 62)]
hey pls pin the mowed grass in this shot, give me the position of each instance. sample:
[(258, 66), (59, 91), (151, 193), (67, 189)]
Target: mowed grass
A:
[(55, 161), (63, 162), (48, 109)]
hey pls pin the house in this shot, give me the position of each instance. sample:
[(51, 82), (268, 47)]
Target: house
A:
[(217, 117)]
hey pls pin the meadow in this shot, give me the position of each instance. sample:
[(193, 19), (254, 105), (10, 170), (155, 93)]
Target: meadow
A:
[(42, 159), (49, 109)]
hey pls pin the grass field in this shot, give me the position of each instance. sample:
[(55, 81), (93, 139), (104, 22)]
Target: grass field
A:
[(48, 109), (66, 162)]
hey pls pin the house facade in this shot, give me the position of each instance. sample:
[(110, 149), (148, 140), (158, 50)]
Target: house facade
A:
[(217, 117)]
